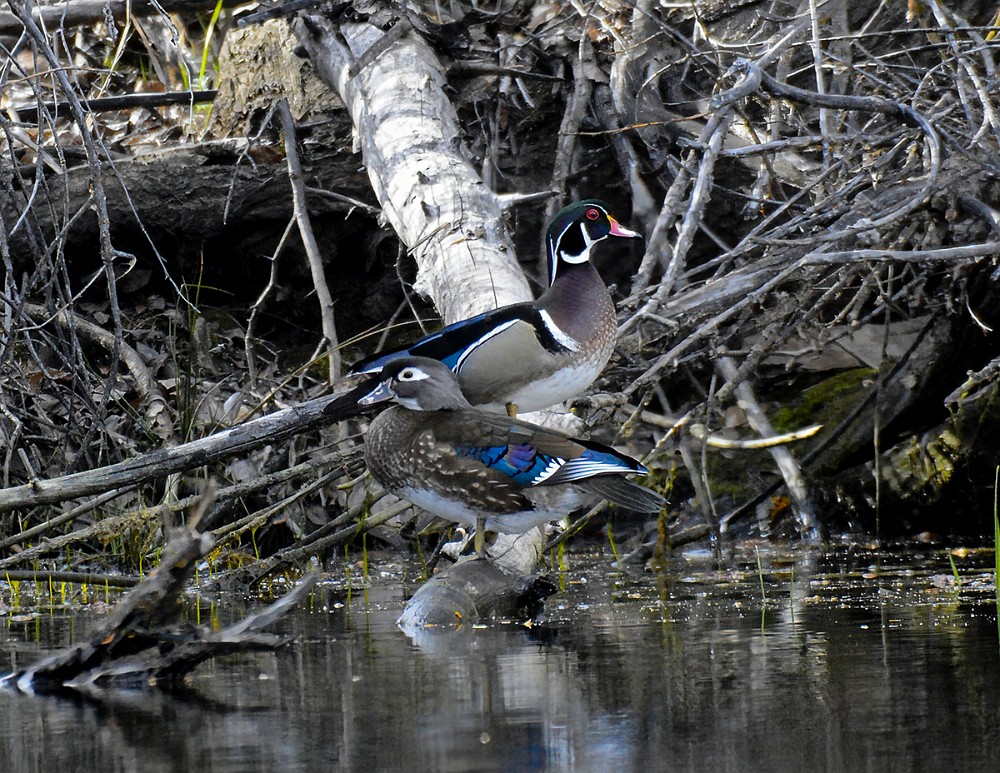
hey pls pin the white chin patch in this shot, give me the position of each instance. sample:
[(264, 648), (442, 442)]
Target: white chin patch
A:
[(408, 402), (584, 256)]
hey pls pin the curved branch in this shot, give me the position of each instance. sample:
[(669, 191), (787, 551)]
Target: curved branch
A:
[(862, 104)]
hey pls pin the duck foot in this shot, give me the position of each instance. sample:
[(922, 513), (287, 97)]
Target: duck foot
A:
[(465, 544)]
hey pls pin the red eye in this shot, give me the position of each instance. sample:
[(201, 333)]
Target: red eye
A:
[(593, 214)]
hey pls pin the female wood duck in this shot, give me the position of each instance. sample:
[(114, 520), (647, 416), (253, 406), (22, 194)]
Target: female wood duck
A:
[(479, 468), (528, 356)]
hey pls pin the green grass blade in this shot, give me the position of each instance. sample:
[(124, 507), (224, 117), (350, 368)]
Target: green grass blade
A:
[(208, 43), (996, 550)]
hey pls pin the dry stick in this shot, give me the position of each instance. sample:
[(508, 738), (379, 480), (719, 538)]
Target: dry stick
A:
[(715, 131), (52, 523), (309, 240), (656, 244), (99, 197), (712, 398), (817, 52), (787, 466), (160, 463), (711, 139), (877, 408), (971, 388), (77, 12), (107, 527), (575, 527), (147, 386), (148, 514), (699, 481), (350, 201), (566, 144), (258, 518), (80, 578), (946, 254), (123, 102), (259, 570), (13, 437), (335, 524), (258, 304), (489, 68)]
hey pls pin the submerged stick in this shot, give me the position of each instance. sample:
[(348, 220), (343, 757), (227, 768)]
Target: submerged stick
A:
[(141, 643)]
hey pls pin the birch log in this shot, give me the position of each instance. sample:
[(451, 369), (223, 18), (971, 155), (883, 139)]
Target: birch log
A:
[(429, 191)]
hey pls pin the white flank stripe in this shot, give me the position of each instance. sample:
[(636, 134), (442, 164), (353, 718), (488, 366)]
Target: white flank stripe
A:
[(557, 333)]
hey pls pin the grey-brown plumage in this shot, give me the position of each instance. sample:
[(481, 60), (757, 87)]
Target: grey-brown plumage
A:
[(468, 465), (532, 355)]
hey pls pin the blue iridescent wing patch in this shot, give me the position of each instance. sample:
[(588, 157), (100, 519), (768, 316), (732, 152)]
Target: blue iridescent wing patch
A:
[(524, 464), (520, 462), (453, 345)]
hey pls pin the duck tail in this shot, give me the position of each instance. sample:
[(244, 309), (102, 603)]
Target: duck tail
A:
[(623, 492)]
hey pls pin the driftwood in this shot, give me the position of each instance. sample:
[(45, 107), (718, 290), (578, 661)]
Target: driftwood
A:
[(140, 644), (474, 592), (123, 102), (164, 461)]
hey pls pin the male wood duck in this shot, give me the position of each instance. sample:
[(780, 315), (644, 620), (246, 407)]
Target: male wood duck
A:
[(528, 356), (480, 468)]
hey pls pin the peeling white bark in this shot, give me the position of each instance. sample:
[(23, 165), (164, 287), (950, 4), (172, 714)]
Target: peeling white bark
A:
[(429, 191)]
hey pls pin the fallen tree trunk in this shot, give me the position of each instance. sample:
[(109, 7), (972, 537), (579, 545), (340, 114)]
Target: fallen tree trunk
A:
[(190, 198), (429, 192)]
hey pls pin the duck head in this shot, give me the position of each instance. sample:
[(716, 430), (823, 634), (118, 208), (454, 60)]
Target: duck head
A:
[(416, 383), (576, 229)]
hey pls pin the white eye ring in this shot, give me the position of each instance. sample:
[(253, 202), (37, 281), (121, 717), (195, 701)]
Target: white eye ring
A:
[(411, 374)]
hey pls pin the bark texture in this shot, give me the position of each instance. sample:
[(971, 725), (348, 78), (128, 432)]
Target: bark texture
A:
[(428, 189)]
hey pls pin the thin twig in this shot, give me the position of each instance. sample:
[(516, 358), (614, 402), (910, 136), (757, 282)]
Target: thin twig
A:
[(576, 107), (783, 458), (122, 102), (309, 241)]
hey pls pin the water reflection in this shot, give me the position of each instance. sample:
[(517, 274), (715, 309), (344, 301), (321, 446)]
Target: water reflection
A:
[(843, 666)]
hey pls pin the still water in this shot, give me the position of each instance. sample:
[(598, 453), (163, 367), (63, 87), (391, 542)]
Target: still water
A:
[(845, 660)]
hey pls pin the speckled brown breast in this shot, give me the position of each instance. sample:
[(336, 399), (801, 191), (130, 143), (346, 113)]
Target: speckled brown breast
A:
[(402, 453)]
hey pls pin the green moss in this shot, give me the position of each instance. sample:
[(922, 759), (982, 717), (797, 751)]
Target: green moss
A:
[(921, 470), (827, 402)]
